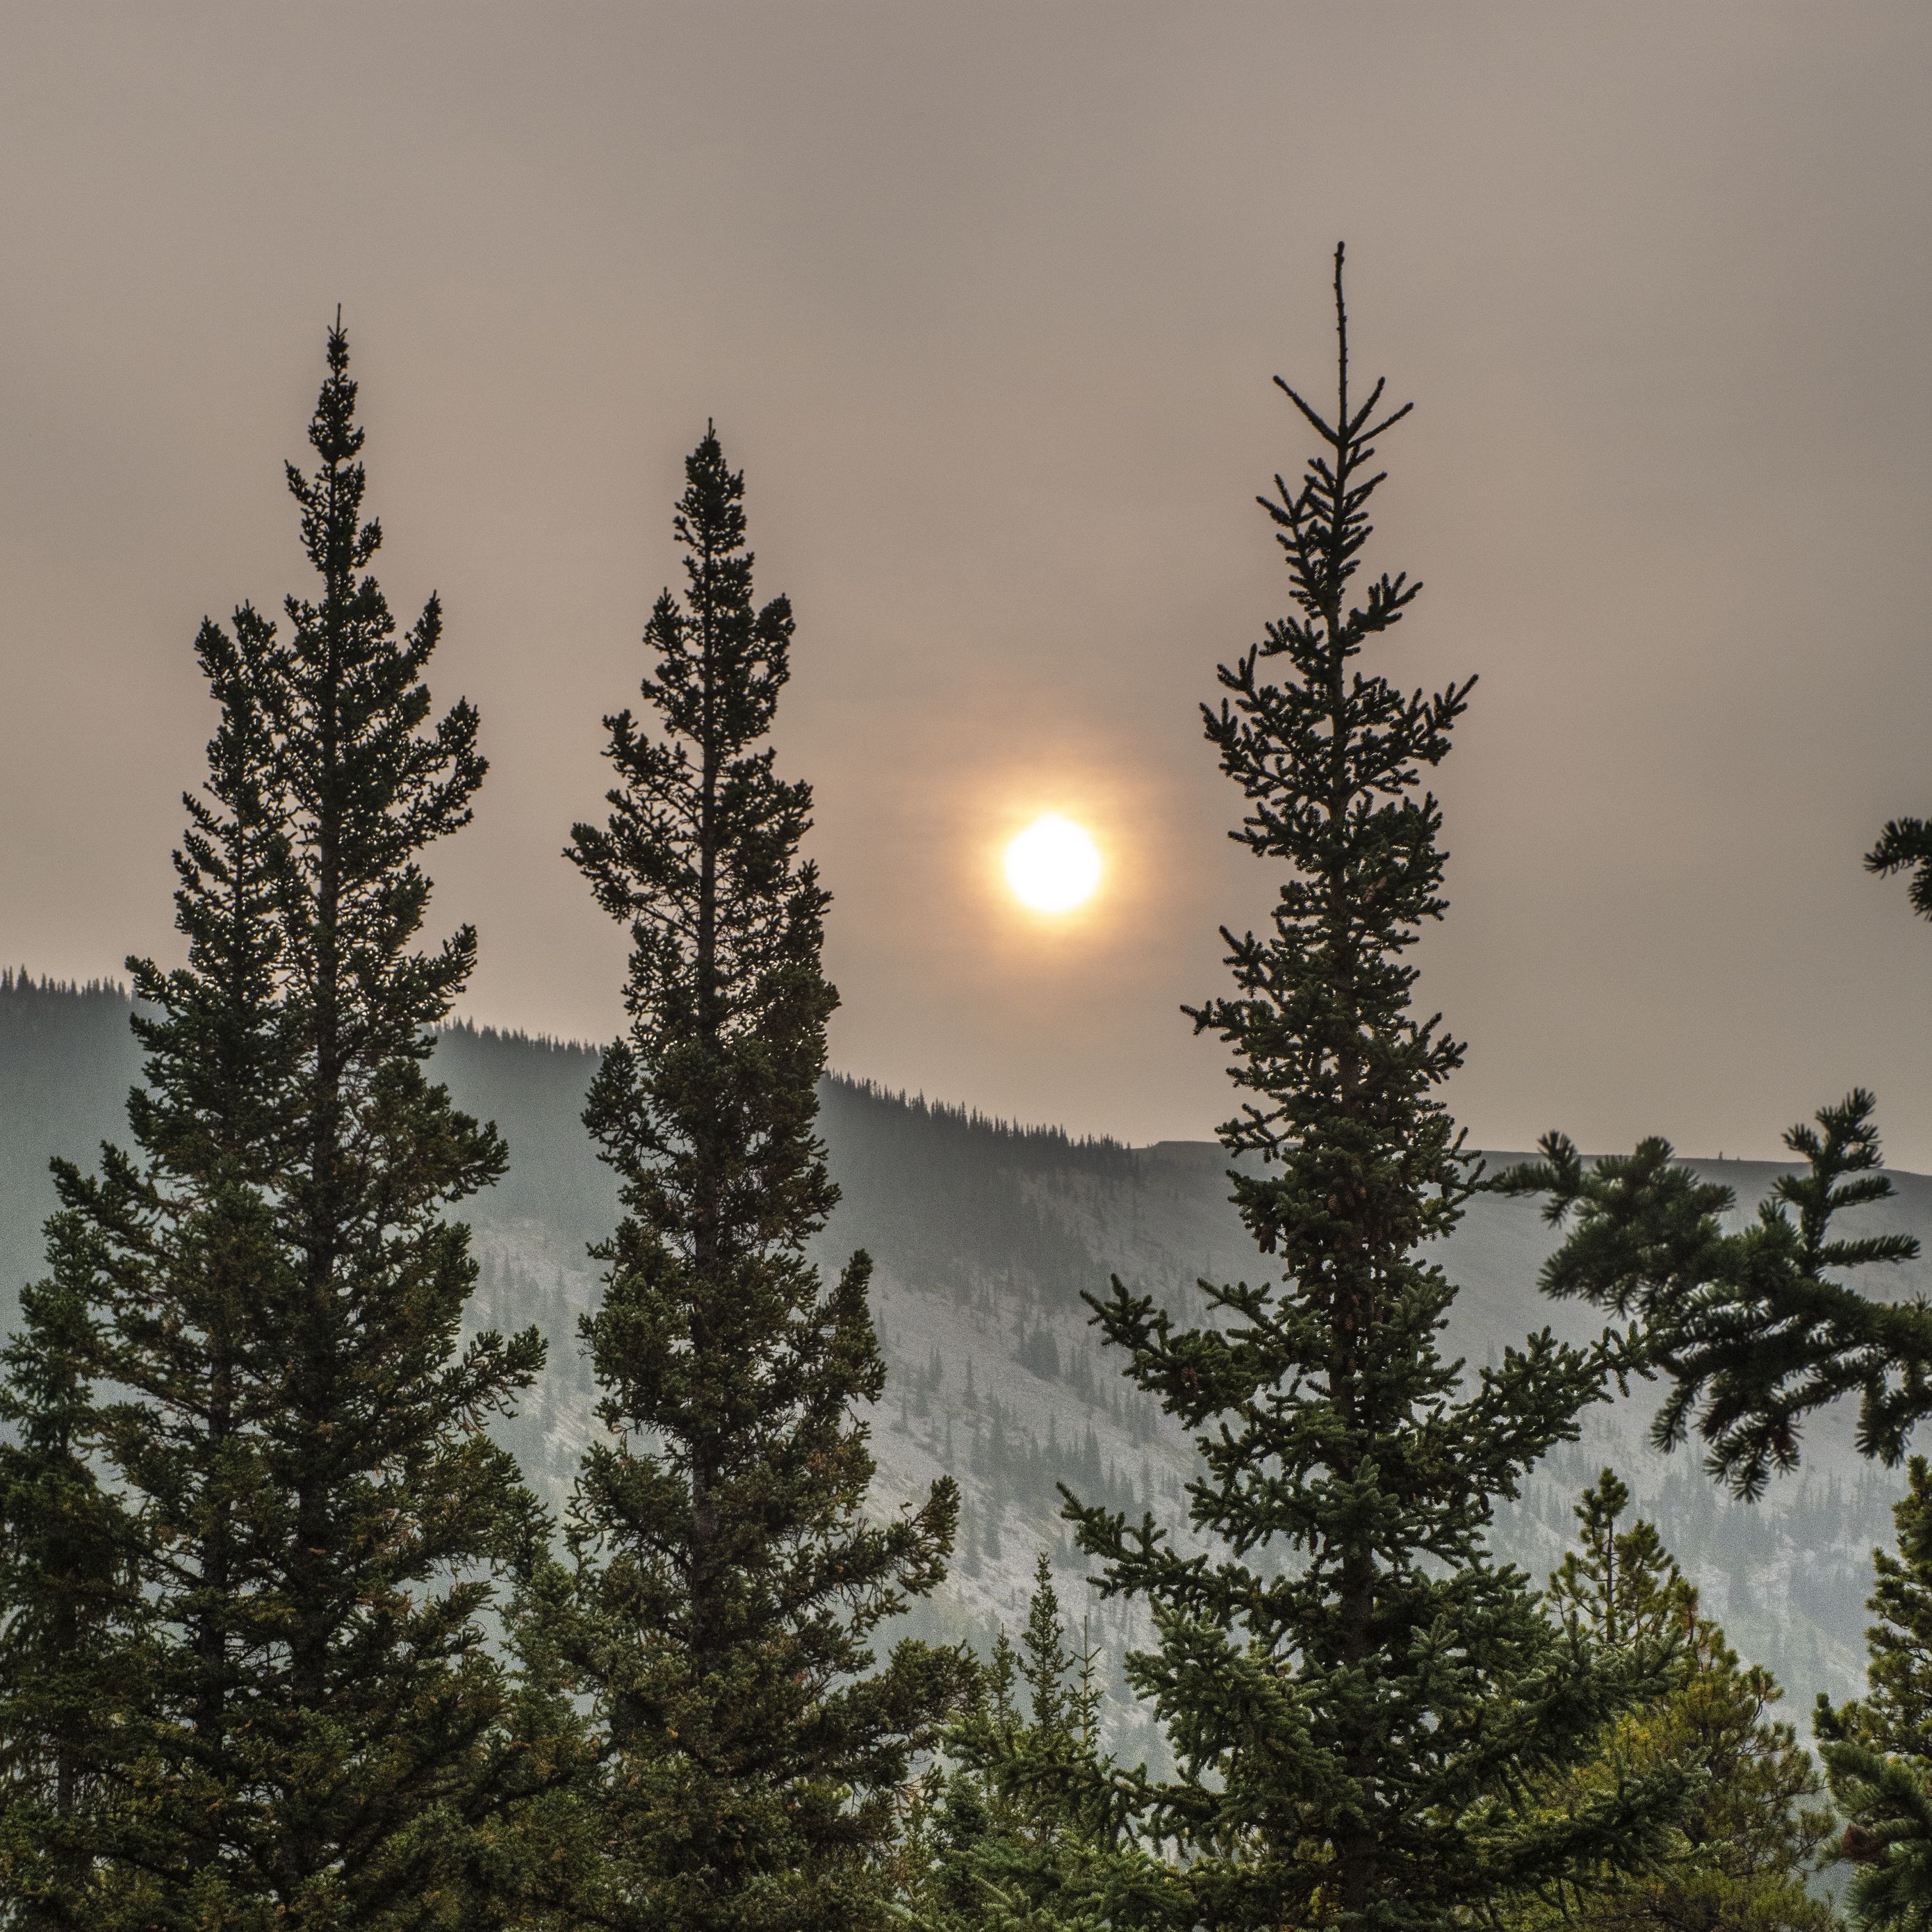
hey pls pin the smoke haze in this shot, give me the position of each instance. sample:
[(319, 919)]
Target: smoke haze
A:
[(985, 299)]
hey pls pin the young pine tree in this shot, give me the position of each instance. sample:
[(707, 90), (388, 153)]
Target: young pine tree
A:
[(1739, 1857), (1024, 1830), (1878, 1750), (276, 1298), (726, 1578), (1353, 1687)]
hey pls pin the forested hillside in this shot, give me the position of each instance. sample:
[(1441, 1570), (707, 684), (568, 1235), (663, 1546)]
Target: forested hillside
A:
[(985, 1236)]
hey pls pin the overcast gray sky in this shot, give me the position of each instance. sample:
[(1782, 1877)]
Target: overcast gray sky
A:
[(985, 298)]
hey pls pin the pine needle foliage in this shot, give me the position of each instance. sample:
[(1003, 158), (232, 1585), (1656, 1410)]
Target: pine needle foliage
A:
[(1753, 1328), (1905, 845), (1353, 1689), (726, 1577), (1741, 1856), (273, 1297)]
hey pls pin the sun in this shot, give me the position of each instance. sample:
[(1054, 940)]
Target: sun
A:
[(1053, 865)]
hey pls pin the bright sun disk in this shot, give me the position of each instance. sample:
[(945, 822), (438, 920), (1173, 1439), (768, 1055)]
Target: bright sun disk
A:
[(1053, 865)]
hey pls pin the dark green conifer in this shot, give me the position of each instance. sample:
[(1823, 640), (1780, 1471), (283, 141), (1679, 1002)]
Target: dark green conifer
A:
[(727, 1579), (1757, 1328), (1353, 1689), (276, 1299)]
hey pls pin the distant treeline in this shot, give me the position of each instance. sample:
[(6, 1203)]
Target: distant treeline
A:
[(927, 1188), (954, 1126)]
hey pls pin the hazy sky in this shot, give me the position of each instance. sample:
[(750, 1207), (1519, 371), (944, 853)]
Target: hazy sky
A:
[(986, 299)]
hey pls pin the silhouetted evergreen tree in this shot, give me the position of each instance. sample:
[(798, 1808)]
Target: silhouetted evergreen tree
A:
[(1353, 1688), (275, 1299), (726, 1578)]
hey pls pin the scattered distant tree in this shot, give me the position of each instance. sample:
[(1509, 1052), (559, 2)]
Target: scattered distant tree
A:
[(1878, 1751), (726, 1578), (1353, 1687), (1753, 1328), (1740, 1857), (274, 1298)]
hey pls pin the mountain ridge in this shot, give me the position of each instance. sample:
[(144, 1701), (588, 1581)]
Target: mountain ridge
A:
[(985, 1235)]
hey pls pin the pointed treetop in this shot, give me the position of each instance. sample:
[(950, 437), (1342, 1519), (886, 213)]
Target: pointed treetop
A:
[(333, 430)]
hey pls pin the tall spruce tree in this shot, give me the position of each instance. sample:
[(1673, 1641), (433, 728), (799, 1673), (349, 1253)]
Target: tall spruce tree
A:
[(1354, 1688), (726, 1577), (275, 1299)]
